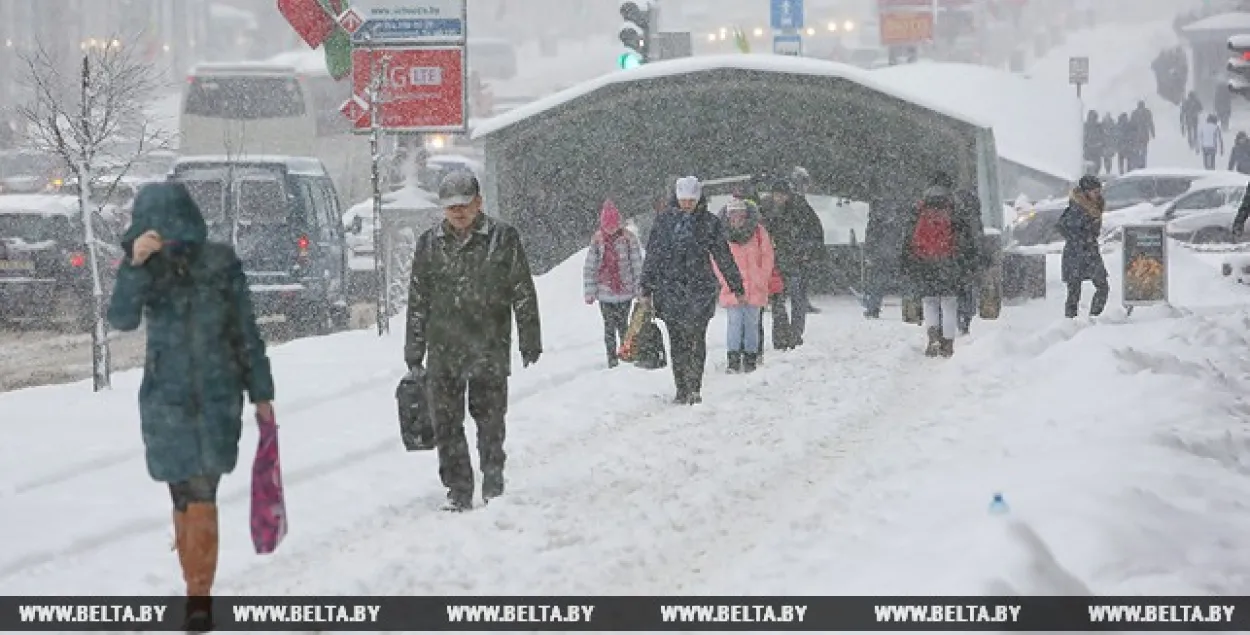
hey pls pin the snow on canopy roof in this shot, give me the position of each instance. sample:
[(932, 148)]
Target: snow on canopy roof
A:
[(46, 204), (1035, 124), (1233, 21), (406, 198), (781, 64)]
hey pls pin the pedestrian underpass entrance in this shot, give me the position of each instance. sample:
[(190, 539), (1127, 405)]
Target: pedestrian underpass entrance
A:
[(550, 164)]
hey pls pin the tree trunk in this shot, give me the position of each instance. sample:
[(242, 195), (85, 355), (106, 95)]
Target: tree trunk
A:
[(100, 362)]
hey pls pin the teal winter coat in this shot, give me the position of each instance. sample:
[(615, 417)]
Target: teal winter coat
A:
[(203, 347)]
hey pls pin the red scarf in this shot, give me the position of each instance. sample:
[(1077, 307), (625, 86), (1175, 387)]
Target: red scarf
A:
[(610, 232)]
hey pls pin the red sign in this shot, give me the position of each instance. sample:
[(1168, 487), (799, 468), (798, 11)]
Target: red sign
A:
[(906, 27), (309, 18), (896, 5), (356, 109), (423, 88), (351, 21)]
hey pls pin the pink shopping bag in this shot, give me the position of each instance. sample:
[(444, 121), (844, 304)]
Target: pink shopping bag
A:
[(268, 501)]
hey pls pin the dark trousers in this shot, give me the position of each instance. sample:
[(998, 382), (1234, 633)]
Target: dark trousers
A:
[(488, 405), (761, 351), (615, 323), (197, 489), (1208, 158), (969, 298), (688, 355), (1073, 304), (796, 292)]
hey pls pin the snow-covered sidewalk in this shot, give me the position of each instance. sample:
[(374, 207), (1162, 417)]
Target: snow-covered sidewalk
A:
[(853, 465)]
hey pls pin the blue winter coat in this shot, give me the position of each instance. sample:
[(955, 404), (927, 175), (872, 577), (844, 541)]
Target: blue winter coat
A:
[(677, 271), (1081, 225), (203, 347)]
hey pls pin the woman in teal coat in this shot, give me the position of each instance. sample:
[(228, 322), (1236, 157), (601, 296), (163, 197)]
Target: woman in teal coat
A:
[(203, 352)]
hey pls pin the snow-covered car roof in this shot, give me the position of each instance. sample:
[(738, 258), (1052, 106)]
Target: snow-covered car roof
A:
[(309, 166), (1048, 140), (42, 204), (781, 64), (1232, 179), (1165, 172)]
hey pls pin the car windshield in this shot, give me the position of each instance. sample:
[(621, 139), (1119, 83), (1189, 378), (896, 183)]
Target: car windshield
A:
[(1125, 192), (261, 201), (34, 227)]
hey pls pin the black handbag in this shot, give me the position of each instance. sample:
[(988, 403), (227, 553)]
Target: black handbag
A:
[(416, 424)]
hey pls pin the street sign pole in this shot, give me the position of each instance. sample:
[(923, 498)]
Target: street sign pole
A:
[(380, 261)]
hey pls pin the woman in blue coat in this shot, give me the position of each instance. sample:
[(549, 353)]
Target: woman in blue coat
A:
[(678, 279), (204, 352), (1081, 225)]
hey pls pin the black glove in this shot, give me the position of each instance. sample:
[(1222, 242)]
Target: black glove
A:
[(530, 357)]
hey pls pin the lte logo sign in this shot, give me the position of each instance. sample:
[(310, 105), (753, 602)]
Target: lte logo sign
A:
[(416, 76)]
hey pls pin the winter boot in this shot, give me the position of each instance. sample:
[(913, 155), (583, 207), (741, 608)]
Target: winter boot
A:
[(735, 361), (492, 485), (935, 342), (947, 349), (196, 540), (458, 502), (750, 361), (694, 399)]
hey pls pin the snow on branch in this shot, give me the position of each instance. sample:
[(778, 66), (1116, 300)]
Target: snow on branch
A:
[(93, 113)]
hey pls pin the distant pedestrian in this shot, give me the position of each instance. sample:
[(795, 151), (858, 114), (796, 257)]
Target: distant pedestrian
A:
[(938, 258), (1211, 140), (798, 237), (611, 276), (680, 283), (752, 250), (1110, 134), (470, 275), (1191, 113), (1095, 141), (1124, 143), (1081, 226), (204, 353), (1222, 103), (1239, 156), (1142, 126)]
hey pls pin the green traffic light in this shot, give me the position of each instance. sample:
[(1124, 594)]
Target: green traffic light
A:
[(629, 60)]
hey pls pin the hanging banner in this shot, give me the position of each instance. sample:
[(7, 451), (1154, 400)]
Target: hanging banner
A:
[(906, 27), (1145, 265)]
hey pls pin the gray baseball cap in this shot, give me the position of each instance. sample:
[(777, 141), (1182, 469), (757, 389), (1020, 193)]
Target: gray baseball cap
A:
[(458, 188)]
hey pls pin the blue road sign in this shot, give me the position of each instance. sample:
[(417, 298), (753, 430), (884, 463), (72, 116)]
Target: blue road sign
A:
[(410, 22), (787, 14), (788, 44)]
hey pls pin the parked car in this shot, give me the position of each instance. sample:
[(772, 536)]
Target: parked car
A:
[(1205, 214), (282, 215), (30, 172), (1039, 226), (45, 270), (1152, 185)]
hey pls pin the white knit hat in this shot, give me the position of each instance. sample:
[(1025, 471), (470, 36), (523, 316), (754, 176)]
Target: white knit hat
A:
[(689, 188)]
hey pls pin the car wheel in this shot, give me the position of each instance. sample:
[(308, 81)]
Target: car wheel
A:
[(1211, 235)]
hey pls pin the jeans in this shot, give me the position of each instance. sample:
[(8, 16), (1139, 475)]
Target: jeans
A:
[(688, 355), (942, 312), (743, 332), (615, 323)]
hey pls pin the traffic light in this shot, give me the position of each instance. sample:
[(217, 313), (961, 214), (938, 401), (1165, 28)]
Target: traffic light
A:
[(636, 32), (1239, 65)]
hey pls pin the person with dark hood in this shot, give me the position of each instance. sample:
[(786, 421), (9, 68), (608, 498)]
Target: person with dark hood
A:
[(939, 257), (1239, 156), (1124, 143), (680, 284), (1110, 142), (1081, 225), (883, 245), (1211, 141), (1191, 112), (470, 277), (611, 275), (204, 354), (1095, 141), (1142, 125), (798, 237)]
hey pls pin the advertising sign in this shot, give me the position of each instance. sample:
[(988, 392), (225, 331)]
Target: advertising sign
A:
[(1145, 265), (423, 89), (906, 27), (410, 22)]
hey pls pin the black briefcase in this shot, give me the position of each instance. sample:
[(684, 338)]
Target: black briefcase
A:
[(416, 424)]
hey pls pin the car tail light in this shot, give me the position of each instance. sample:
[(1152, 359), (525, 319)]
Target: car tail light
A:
[(77, 259), (302, 243)]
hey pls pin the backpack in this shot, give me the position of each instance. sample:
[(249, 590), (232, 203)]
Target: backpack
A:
[(934, 236)]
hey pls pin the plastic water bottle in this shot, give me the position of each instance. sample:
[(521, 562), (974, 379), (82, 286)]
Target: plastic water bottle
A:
[(998, 506)]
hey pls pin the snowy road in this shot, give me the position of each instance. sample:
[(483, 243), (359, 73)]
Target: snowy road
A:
[(36, 358)]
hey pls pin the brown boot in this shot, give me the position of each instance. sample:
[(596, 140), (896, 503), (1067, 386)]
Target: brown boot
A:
[(935, 342), (947, 348), (198, 554)]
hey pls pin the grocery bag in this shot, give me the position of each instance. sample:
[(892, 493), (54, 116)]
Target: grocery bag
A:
[(268, 501)]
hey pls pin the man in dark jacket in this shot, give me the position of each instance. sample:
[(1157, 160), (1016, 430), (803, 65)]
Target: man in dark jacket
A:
[(680, 284), (1095, 141), (469, 275), (883, 244), (968, 206), (1080, 225), (1191, 112), (1142, 126), (1239, 156), (799, 242)]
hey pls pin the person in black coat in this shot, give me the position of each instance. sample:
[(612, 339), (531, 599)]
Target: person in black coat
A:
[(939, 257), (1142, 127), (968, 205), (799, 240), (1239, 156), (1095, 141), (1081, 225), (883, 244), (679, 282)]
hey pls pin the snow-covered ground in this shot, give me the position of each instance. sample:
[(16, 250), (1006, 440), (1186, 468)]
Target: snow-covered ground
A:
[(853, 465)]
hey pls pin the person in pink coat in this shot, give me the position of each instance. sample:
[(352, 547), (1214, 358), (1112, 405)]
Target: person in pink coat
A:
[(753, 253)]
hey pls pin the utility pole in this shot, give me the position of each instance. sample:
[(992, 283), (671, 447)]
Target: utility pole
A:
[(381, 262)]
